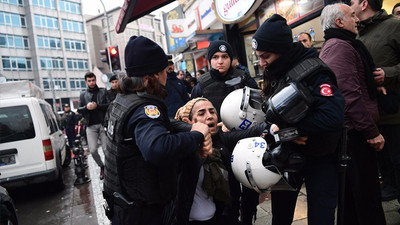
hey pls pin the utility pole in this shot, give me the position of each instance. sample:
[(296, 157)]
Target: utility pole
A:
[(53, 91), (108, 34)]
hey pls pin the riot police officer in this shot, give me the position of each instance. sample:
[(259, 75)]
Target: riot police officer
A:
[(142, 151), (320, 125)]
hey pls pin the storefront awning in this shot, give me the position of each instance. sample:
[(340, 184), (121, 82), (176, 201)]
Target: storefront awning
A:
[(134, 9)]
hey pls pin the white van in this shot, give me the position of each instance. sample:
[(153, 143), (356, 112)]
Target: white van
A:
[(32, 146)]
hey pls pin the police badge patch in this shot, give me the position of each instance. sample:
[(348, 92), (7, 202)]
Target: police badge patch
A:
[(151, 111), (222, 48), (254, 44)]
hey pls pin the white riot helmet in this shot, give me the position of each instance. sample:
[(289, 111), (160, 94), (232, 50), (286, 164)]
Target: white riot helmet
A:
[(242, 108), (247, 165)]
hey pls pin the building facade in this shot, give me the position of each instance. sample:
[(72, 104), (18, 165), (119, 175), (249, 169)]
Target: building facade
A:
[(44, 41), (148, 26)]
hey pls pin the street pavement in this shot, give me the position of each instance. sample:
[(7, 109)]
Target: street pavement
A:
[(264, 214)]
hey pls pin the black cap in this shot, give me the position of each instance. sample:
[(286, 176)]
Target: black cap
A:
[(274, 35), (219, 46), (144, 57), (66, 105)]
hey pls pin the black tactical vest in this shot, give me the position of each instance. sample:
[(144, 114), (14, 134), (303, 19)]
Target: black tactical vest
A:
[(123, 156), (216, 90)]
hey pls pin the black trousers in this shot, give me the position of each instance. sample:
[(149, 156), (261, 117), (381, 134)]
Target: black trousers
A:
[(320, 177), (389, 157), (363, 204), (141, 215)]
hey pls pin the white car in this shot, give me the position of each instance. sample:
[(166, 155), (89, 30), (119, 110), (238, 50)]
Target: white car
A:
[(32, 146)]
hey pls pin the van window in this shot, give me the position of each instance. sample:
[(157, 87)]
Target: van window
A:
[(16, 124), (50, 118)]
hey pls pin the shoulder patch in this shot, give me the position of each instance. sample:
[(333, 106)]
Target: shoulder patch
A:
[(151, 111), (326, 90)]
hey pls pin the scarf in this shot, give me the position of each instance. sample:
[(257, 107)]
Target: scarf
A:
[(215, 181), (366, 57)]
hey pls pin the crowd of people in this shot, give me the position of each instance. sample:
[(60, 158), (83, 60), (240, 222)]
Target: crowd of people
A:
[(168, 156)]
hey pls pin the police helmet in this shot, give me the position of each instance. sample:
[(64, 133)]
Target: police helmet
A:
[(242, 108)]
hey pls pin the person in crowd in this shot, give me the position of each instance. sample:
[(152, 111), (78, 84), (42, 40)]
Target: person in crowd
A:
[(353, 66), (181, 75), (320, 129), (113, 91), (200, 201), (69, 122), (396, 10), (142, 148), (236, 64), (212, 86), (305, 39), (188, 79), (380, 33), (199, 73), (93, 104), (177, 95)]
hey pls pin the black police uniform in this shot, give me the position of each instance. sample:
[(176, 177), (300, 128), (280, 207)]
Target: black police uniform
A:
[(322, 126), (146, 156), (69, 121)]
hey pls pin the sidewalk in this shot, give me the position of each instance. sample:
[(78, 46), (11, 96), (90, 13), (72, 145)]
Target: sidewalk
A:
[(300, 216)]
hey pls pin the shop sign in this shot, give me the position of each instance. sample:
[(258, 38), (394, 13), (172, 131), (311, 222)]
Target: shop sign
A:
[(291, 10), (234, 11), (174, 44), (206, 14), (179, 28)]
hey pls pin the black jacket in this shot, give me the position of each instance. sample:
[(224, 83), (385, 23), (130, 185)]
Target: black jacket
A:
[(102, 101), (324, 122)]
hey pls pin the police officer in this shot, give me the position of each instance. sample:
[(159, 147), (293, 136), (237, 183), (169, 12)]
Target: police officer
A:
[(211, 85), (69, 122), (320, 129), (142, 152)]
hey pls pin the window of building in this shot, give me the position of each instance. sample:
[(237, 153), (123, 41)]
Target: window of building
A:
[(13, 41), (72, 26), (30, 80), (45, 42), (13, 2), (77, 84), (147, 34), (60, 84), (105, 37), (16, 63), (104, 23), (49, 4), (75, 45), (77, 64), (12, 19), (46, 22), (51, 63), (70, 7)]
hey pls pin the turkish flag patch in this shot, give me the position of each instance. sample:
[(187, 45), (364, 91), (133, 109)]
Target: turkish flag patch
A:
[(325, 90)]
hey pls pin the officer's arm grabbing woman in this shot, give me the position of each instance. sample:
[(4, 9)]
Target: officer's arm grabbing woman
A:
[(139, 130)]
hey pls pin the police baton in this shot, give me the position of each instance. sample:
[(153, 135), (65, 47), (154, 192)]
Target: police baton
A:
[(343, 160)]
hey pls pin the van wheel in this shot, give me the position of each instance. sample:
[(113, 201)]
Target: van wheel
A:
[(7, 217), (67, 160)]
